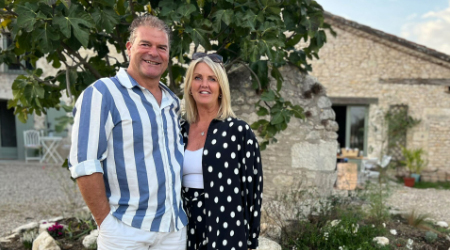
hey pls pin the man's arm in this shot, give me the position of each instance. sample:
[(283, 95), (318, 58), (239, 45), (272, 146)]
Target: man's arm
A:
[(92, 188)]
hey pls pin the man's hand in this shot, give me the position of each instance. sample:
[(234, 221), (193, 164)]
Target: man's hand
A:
[(92, 188)]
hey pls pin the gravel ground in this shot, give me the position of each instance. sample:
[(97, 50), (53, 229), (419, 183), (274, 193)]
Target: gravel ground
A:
[(435, 203), (33, 192)]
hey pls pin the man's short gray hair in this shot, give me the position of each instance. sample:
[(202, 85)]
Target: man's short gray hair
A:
[(147, 20)]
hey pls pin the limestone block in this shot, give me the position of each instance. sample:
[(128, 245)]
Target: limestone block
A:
[(382, 241), (324, 102), (283, 180), (313, 110), (325, 182), (250, 93), (308, 81), (26, 227), (327, 114), (331, 135), (270, 230), (238, 99), (55, 219), (90, 241), (313, 136), (319, 127), (45, 242), (332, 126), (319, 157), (442, 224), (419, 136), (8, 238), (249, 117), (266, 244)]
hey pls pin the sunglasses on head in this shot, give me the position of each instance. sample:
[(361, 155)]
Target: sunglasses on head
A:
[(214, 57)]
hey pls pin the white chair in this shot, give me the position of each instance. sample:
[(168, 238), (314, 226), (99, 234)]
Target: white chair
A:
[(32, 140), (369, 166), (368, 169)]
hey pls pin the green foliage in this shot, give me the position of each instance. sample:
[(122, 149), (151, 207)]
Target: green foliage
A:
[(259, 34), (430, 237), (417, 220), (398, 124), (435, 185), (308, 221), (321, 233), (27, 239), (413, 160), (79, 228), (376, 193), (279, 113)]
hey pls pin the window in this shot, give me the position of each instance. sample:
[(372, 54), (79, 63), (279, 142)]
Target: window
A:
[(13, 68), (353, 122)]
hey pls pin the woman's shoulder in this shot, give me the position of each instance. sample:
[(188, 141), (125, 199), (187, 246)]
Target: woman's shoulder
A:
[(237, 125)]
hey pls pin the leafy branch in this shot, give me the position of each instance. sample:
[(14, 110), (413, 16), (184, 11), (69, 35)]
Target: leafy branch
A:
[(243, 32)]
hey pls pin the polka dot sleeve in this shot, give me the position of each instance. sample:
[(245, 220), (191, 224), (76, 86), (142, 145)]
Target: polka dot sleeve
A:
[(251, 157)]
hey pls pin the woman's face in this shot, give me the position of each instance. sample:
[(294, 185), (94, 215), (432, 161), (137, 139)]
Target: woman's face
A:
[(205, 87)]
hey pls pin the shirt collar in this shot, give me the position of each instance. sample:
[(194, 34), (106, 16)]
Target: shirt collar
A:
[(128, 82)]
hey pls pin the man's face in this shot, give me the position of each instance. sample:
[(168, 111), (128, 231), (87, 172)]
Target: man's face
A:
[(149, 54)]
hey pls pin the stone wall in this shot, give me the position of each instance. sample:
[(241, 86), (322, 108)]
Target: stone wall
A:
[(5, 85), (305, 153), (357, 64)]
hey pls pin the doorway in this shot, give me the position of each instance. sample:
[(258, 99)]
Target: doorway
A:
[(8, 133)]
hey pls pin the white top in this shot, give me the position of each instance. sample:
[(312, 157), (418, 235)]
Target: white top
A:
[(192, 169)]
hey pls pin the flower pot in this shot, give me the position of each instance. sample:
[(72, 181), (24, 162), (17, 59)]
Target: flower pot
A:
[(416, 176), (409, 181)]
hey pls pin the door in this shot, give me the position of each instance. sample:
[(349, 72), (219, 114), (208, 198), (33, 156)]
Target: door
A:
[(8, 133)]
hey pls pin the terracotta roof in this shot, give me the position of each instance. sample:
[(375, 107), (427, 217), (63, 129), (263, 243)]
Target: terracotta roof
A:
[(395, 39)]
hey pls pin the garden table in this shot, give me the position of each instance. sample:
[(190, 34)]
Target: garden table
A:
[(50, 145)]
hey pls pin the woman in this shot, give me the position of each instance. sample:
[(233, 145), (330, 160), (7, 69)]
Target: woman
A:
[(222, 172)]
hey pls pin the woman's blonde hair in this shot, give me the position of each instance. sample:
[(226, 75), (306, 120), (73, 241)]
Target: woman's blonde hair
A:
[(225, 109)]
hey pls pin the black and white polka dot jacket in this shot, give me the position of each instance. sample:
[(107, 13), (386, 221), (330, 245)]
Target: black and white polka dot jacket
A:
[(233, 182)]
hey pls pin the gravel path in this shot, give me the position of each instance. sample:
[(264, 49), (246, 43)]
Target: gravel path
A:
[(33, 192), (435, 203)]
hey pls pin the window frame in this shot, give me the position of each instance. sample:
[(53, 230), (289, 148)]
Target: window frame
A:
[(348, 124)]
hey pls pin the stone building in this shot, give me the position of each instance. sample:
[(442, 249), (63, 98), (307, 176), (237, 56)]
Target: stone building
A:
[(305, 154), (11, 129), (367, 72)]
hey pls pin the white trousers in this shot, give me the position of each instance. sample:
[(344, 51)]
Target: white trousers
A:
[(115, 235)]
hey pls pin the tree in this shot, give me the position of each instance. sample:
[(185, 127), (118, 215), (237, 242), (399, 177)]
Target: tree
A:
[(258, 34)]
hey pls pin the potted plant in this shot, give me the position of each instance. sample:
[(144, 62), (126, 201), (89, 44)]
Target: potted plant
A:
[(415, 163)]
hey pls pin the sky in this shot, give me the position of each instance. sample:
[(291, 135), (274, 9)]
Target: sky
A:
[(426, 22)]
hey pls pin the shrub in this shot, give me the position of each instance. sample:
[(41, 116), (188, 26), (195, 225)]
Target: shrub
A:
[(430, 237), (337, 225)]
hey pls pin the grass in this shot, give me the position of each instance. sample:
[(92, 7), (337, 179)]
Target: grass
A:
[(417, 220), (443, 185), (435, 185)]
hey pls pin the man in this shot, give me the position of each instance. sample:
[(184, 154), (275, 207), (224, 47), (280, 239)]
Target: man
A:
[(127, 149)]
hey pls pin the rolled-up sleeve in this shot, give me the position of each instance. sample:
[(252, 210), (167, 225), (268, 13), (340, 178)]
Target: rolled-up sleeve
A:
[(90, 131)]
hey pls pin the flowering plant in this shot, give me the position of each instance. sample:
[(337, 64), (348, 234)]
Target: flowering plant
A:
[(56, 230)]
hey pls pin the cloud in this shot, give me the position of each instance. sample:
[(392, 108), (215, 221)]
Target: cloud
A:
[(431, 30)]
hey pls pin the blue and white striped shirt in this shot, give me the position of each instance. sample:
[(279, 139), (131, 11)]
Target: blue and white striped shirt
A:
[(120, 130)]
